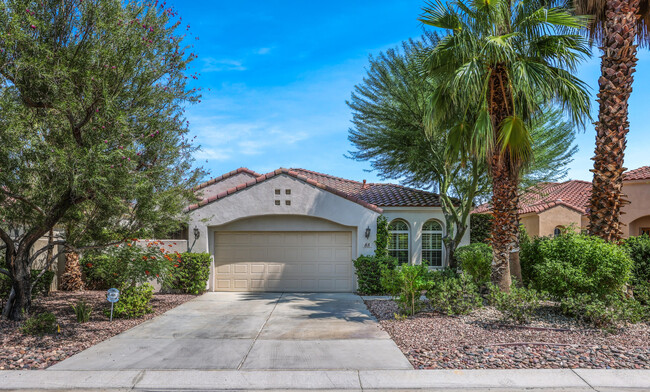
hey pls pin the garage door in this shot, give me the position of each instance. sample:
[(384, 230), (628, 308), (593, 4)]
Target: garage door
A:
[(284, 261)]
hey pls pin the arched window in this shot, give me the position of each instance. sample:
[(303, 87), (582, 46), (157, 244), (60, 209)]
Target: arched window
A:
[(432, 244), (398, 241), (557, 231)]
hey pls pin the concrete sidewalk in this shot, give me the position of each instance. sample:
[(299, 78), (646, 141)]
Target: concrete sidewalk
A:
[(337, 380)]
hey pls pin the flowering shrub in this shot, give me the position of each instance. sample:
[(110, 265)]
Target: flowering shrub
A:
[(129, 264)]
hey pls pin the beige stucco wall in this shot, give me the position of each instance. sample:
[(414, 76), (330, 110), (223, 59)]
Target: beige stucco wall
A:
[(636, 214), (306, 201), (225, 184), (558, 216), (531, 223), (415, 217)]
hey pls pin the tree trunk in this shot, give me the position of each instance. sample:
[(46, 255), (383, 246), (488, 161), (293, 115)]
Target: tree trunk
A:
[(72, 280), (618, 64), (504, 182), (20, 298)]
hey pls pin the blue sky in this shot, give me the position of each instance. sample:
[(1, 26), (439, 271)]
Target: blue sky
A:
[(277, 74)]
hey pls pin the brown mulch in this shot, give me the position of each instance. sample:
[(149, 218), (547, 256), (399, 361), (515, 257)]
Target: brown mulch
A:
[(18, 351), (483, 340)]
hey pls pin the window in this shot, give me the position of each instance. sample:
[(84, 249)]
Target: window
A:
[(432, 244), (398, 241), (287, 191), (557, 231), (644, 230), (277, 191), (287, 202), (277, 202)]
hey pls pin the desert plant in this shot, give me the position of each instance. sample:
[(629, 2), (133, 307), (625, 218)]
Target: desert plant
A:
[(453, 294), (475, 260), (603, 313), (368, 270), (82, 311), (519, 304), (406, 284), (41, 324)]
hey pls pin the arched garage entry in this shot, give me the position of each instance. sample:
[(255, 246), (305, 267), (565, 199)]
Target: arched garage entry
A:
[(284, 253)]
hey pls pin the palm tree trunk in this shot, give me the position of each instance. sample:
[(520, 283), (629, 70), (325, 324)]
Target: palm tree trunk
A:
[(504, 183), (618, 64)]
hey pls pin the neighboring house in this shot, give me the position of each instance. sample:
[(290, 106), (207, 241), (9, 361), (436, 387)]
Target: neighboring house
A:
[(298, 230), (546, 208)]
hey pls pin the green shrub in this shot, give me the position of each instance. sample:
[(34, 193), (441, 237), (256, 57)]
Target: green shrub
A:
[(406, 284), (480, 228), (572, 264), (82, 310), (381, 242), (368, 270), (642, 293), (40, 324), (603, 313), (476, 261), (41, 289), (190, 273), (453, 294), (517, 305), (639, 250), (134, 302), (128, 264)]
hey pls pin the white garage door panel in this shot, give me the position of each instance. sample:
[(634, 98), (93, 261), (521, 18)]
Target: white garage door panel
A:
[(284, 261)]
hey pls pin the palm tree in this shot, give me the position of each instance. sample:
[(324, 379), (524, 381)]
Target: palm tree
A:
[(497, 60), (617, 25)]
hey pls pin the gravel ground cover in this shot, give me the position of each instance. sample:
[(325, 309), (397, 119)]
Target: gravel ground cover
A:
[(19, 351), (482, 340)]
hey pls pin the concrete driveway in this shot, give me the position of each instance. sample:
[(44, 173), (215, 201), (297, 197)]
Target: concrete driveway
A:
[(251, 331)]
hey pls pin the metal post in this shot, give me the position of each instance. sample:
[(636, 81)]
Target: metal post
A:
[(111, 311)]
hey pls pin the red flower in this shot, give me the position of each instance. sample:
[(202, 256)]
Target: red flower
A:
[(89, 265), (176, 265), (146, 272)]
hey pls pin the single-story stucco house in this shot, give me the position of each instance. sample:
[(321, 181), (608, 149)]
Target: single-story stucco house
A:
[(298, 230), (547, 208)]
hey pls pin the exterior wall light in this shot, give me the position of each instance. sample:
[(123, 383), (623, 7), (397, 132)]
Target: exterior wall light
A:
[(368, 232)]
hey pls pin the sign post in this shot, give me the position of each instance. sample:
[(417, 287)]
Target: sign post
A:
[(113, 295)]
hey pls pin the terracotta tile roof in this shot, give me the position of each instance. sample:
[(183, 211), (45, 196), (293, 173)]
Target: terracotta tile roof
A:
[(288, 172), (573, 194), (383, 195), (227, 175), (642, 173)]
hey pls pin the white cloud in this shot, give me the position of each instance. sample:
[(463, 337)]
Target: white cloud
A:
[(264, 50), (210, 64)]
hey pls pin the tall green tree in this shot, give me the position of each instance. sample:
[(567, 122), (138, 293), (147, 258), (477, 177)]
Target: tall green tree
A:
[(495, 63), (389, 112), (92, 133), (618, 26)]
